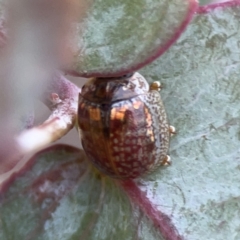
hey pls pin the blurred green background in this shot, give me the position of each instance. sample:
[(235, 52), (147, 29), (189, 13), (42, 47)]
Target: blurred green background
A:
[(203, 2)]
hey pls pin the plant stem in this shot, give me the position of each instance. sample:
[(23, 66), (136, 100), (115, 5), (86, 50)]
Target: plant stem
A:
[(160, 220), (61, 98)]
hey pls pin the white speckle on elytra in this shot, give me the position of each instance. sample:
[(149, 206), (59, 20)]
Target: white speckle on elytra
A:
[(134, 141), (126, 165), (135, 170), (135, 164), (127, 149), (116, 149)]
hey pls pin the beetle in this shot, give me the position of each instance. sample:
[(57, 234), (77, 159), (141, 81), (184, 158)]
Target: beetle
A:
[(123, 125)]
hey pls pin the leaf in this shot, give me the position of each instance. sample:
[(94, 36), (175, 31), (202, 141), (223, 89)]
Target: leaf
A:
[(58, 197), (204, 2), (200, 191), (117, 37), (201, 92), (30, 201)]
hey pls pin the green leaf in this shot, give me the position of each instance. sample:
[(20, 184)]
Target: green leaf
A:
[(205, 2), (60, 197), (119, 36), (201, 92)]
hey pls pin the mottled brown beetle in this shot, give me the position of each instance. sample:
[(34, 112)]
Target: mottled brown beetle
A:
[(123, 125)]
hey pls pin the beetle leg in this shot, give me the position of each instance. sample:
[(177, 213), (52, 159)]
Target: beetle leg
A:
[(166, 161), (155, 86), (172, 130)]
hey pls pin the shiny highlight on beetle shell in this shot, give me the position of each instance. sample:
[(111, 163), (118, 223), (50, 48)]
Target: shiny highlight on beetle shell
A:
[(124, 130)]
